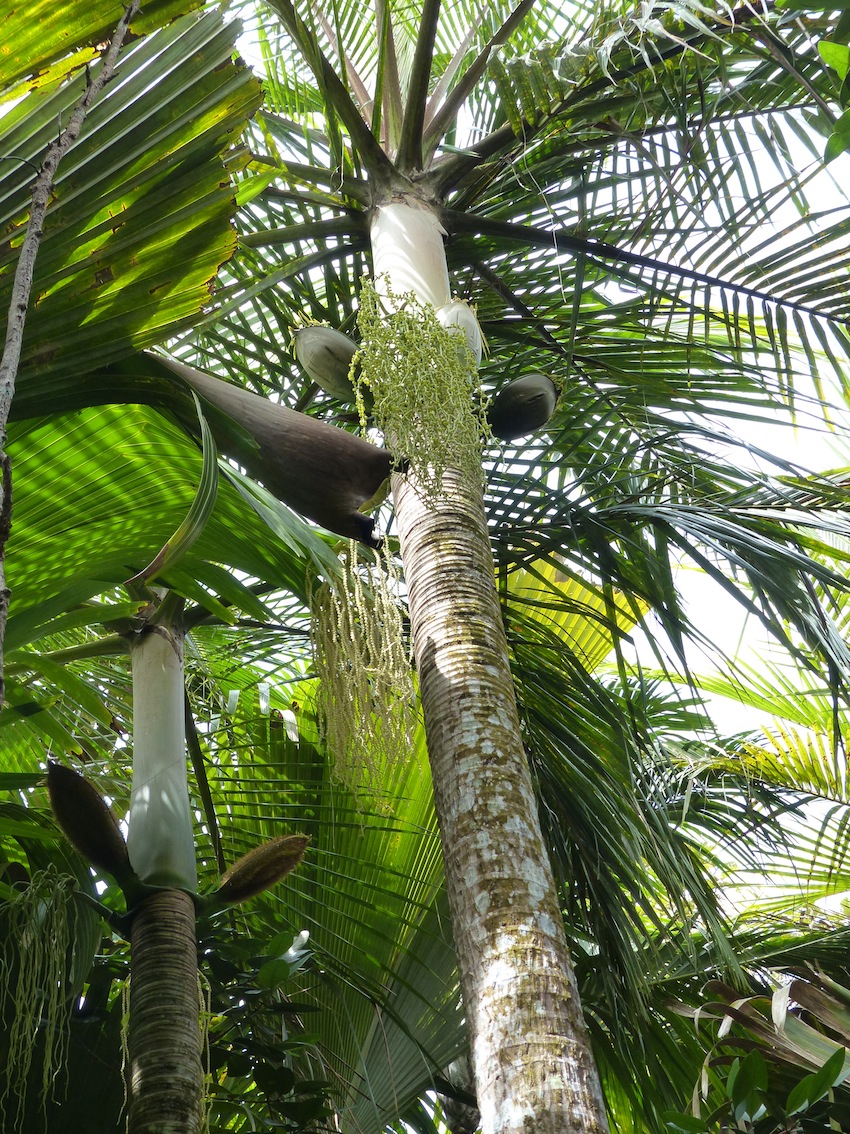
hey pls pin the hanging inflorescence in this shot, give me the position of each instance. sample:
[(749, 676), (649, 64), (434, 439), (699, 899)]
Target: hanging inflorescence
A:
[(125, 1043), (365, 699), (422, 381), (36, 955), (205, 1019)]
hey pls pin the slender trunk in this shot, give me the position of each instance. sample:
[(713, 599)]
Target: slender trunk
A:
[(165, 1075), (533, 1067)]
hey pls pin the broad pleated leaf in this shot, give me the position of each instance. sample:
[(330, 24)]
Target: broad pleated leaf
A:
[(140, 218)]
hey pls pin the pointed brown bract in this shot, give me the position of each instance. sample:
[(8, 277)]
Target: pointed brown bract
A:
[(261, 868), (86, 820), (321, 472)]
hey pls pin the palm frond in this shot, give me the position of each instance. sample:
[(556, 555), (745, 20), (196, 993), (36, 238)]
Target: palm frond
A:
[(117, 268)]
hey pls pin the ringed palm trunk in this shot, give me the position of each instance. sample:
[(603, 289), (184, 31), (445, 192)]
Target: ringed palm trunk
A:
[(165, 1078), (532, 1062)]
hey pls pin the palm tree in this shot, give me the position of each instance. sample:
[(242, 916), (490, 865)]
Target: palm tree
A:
[(408, 131), (628, 478), (165, 1089)]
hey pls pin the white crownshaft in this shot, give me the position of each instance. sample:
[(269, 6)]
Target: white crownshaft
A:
[(160, 840), (407, 251)]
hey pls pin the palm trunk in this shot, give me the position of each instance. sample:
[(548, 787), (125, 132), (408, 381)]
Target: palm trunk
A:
[(531, 1056), (165, 1079)]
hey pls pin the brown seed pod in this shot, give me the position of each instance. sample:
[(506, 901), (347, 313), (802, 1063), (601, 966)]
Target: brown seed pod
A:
[(261, 867), (522, 406), (86, 820)]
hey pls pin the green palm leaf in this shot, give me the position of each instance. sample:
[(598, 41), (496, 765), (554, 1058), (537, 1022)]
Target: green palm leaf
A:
[(141, 217)]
